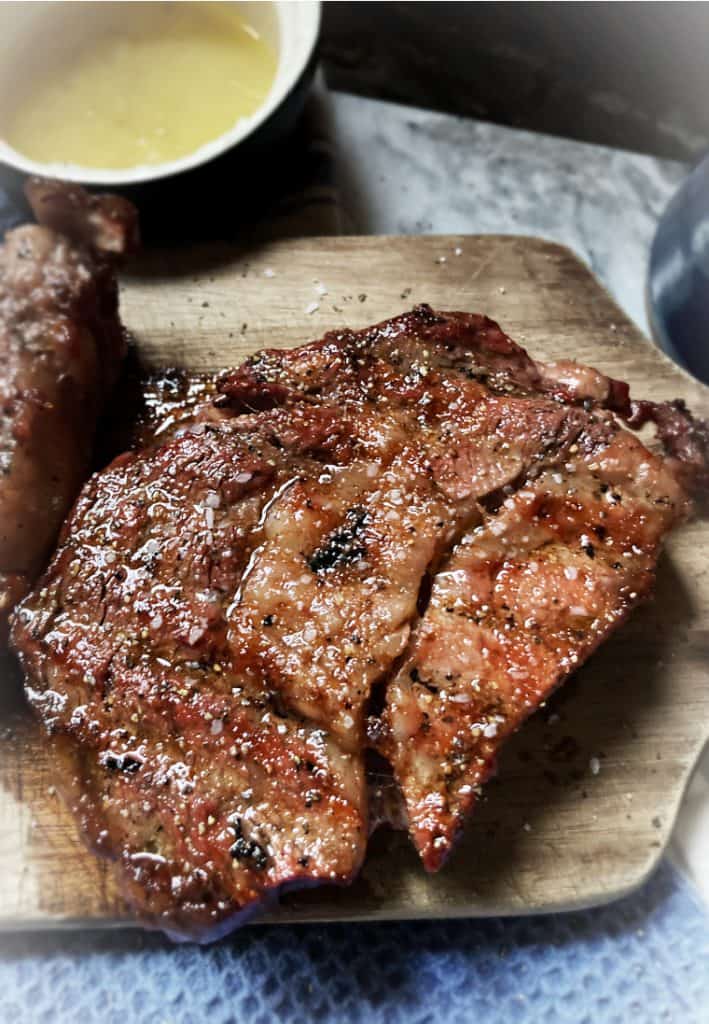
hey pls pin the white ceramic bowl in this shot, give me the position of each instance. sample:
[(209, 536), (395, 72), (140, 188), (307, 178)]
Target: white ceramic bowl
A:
[(27, 30)]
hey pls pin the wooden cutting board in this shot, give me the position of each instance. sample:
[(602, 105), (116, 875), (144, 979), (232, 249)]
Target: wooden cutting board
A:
[(587, 792)]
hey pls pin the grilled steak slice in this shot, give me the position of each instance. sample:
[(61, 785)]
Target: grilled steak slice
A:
[(61, 344), (572, 511), (202, 780), (205, 644), (523, 600)]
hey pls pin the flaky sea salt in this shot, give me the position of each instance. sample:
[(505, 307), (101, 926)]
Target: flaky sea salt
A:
[(196, 633)]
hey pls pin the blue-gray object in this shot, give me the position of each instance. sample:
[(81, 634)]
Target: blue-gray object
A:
[(643, 959), (678, 280)]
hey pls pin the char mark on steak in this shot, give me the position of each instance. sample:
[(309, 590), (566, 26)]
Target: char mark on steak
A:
[(224, 603)]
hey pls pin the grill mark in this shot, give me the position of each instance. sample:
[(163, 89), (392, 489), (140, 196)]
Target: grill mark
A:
[(244, 848), (125, 763), (345, 545)]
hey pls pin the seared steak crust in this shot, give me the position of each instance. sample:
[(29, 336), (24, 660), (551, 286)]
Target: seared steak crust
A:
[(201, 778), (61, 345), (224, 603), (522, 601)]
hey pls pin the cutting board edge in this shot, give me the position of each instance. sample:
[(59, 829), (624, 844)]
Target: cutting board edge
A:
[(561, 249), (281, 916), (284, 916)]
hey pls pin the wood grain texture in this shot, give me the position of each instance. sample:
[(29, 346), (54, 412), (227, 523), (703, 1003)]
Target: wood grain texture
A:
[(550, 834)]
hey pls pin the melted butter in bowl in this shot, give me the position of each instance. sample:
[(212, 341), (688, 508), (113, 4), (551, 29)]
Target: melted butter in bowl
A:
[(122, 93), (146, 92)]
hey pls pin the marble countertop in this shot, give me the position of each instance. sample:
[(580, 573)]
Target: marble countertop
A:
[(403, 170)]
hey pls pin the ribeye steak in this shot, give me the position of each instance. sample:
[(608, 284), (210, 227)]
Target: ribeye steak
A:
[(403, 537)]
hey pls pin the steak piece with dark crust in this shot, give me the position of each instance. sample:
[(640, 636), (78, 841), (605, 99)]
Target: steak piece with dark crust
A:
[(61, 346), (223, 604), (521, 602)]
